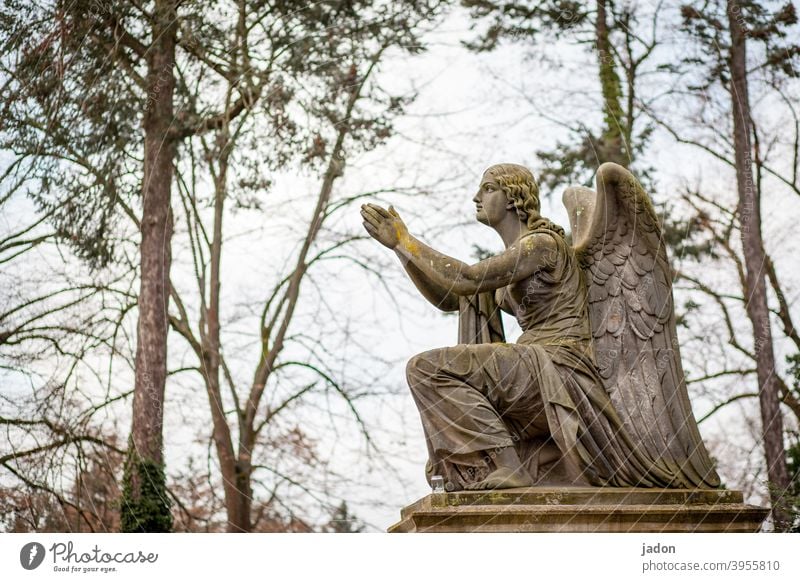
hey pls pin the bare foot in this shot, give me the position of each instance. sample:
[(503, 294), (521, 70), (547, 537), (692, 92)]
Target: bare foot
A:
[(503, 478)]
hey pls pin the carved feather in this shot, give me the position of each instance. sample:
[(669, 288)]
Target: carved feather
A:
[(619, 246)]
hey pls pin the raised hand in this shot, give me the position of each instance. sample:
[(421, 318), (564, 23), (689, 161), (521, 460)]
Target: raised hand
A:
[(383, 225)]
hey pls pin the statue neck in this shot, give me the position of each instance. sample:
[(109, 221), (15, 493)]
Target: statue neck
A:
[(511, 229)]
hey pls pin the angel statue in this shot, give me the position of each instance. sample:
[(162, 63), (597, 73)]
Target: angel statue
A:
[(593, 392)]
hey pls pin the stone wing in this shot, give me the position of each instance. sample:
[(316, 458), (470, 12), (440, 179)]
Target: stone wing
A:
[(617, 240)]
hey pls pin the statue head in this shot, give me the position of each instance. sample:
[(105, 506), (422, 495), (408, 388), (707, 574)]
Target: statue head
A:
[(520, 194)]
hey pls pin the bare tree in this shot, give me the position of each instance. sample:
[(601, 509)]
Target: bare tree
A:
[(93, 163), (345, 111), (722, 32)]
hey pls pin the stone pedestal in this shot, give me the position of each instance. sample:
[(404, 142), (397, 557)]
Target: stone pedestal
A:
[(582, 509)]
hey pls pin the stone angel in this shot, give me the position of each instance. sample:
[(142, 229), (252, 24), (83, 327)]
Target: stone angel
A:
[(593, 392)]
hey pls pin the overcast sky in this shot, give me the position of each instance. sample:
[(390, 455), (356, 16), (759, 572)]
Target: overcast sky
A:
[(472, 111)]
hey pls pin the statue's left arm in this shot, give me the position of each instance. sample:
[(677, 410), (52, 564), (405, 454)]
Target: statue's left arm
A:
[(520, 260)]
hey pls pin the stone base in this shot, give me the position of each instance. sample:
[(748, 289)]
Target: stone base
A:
[(582, 509)]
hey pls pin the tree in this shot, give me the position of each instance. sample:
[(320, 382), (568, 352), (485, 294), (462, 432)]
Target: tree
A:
[(90, 503), (620, 45), (793, 458), (92, 166), (55, 319), (86, 142), (342, 521), (722, 30), (86, 129), (345, 112), (145, 506)]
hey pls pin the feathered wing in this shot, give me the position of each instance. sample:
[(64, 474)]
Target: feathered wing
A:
[(617, 240)]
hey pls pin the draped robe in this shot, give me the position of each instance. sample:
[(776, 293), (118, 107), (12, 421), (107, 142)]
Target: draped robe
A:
[(484, 394)]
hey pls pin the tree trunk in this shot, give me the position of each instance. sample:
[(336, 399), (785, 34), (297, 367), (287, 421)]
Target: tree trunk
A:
[(755, 266), (145, 506), (612, 146), (235, 474), (269, 355)]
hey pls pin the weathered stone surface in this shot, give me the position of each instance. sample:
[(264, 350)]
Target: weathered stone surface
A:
[(582, 509), (593, 391)]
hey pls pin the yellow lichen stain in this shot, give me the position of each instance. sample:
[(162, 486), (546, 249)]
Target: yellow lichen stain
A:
[(406, 241)]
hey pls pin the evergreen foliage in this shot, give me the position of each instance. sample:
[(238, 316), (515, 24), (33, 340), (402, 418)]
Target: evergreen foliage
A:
[(149, 511)]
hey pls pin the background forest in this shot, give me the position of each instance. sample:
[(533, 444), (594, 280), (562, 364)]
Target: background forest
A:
[(196, 333)]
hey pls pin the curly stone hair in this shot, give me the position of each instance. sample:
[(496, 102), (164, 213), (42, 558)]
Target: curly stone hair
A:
[(519, 186)]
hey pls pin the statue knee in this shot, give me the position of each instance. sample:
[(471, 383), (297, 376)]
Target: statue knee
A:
[(420, 368), (413, 368)]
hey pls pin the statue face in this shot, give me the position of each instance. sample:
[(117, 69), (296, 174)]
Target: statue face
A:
[(491, 203)]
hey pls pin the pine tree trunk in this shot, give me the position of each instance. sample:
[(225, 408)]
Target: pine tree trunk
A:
[(145, 506), (612, 146), (755, 265)]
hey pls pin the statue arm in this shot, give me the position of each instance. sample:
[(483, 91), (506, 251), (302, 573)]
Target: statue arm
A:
[(439, 296), (522, 259), (517, 262)]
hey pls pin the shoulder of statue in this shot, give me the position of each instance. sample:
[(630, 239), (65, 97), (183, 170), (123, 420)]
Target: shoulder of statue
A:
[(560, 256), (543, 224)]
